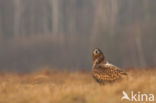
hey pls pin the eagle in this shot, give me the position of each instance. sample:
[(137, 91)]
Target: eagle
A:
[(104, 72)]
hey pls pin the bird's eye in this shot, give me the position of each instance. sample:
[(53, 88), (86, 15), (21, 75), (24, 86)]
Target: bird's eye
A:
[(96, 51)]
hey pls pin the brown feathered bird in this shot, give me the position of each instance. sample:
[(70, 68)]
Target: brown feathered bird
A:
[(102, 71)]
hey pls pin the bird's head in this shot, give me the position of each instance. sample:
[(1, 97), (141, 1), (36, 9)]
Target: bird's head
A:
[(97, 56)]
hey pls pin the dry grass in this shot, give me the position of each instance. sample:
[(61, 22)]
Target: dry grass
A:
[(71, 87)]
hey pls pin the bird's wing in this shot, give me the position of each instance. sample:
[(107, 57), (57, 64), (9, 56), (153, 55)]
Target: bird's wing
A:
[(106, 72), (115, 68)]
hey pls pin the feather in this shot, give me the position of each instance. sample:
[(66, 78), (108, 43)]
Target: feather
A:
[(103, 71)]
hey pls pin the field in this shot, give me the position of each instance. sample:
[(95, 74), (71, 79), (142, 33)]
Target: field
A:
[(50, 86)]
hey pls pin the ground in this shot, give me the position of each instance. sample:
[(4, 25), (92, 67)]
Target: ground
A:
[(49, 86)]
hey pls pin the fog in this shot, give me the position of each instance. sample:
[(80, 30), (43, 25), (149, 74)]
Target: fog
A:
[(61, 34)]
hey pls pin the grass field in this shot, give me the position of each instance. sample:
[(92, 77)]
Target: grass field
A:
[(71, 87)]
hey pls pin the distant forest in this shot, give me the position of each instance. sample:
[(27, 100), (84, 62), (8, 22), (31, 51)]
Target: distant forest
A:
[(62, 33)]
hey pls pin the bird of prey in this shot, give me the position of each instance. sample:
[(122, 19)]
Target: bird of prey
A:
[(104, 72)]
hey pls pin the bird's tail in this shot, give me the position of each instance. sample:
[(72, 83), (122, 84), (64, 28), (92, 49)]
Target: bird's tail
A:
[(124, 73)]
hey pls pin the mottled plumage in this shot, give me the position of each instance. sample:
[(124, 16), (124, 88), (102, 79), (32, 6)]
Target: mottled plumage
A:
[(102, 71)]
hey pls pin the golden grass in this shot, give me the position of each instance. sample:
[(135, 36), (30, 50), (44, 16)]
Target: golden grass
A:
[(71, 87)]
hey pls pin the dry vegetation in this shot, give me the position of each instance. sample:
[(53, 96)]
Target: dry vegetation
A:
[(71, 87)]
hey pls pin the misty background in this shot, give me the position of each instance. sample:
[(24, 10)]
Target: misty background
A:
[(61, 34)]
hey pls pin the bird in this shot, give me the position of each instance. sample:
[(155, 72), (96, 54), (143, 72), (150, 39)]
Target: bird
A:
[(104, 72)]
